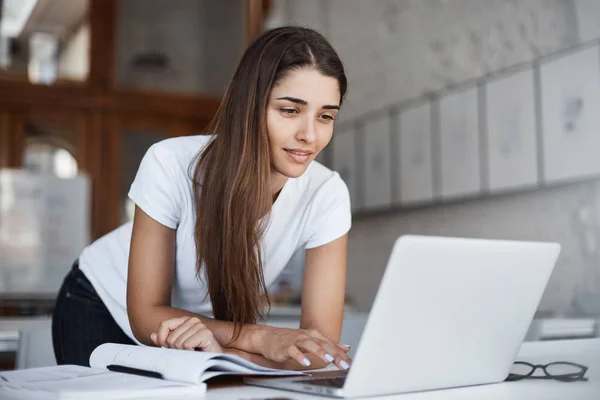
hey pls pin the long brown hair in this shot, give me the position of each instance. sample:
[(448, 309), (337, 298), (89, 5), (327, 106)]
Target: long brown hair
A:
[(231, 178)]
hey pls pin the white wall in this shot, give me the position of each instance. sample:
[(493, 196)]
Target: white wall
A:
[(395, 50), (587, 19), (399, 49)]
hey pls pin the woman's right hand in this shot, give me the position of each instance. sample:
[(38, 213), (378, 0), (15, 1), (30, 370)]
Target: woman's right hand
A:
[(282, 344), (186, 333)]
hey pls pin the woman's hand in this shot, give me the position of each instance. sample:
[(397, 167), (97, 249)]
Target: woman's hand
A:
[(186, 333), (281, 344)]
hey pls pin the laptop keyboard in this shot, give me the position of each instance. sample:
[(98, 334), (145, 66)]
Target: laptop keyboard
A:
[(329, 382)]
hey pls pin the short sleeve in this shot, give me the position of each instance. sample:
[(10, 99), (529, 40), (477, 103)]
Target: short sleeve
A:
[(331, 216), (155, 188)]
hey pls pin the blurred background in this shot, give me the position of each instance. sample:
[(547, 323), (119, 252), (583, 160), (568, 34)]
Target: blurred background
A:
[(476, 118)]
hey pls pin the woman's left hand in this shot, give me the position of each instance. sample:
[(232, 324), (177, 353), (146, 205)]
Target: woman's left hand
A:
[(186, 333)]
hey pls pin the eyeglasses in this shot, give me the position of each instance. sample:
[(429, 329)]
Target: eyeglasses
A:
[(561, 371)]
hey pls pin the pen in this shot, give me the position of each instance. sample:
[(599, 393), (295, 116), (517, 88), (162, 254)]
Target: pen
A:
[(134, 371)]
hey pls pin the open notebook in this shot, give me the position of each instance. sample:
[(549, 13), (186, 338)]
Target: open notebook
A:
[(177, 365), (182, 373)]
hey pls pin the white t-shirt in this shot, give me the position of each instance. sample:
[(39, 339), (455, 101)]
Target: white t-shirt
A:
[(310, 211)]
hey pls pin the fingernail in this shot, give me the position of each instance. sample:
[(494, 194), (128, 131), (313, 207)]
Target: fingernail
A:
[(344, 365), (347, 345), (306, 362), (329, 357), (153, 336)]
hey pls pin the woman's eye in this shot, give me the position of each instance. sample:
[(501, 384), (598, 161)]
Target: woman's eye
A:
[(327, 117), (288, 111)]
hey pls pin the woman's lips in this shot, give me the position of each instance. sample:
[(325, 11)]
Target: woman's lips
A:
[(299, 156)]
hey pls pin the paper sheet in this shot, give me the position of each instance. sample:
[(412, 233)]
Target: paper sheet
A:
[(71, 381)]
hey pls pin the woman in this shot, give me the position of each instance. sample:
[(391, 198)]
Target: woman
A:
[(220, 216)]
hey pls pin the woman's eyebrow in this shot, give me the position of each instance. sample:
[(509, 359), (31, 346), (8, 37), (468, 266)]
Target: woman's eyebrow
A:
[(304, 102), (294, 100)]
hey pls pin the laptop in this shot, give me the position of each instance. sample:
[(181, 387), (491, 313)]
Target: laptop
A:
[(449, 312)]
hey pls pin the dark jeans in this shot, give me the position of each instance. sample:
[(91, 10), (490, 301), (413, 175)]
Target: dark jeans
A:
[(81, 322)]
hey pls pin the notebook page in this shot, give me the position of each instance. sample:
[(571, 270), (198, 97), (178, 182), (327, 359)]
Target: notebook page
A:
[(231, 362), (9, 393), (177, 365), (70, 381), (21, 378)]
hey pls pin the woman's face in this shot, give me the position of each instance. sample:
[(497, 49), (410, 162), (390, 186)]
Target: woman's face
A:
[(300, 115)]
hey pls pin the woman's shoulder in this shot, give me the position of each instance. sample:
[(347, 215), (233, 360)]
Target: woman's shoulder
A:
[(182, 145), (179, 151)]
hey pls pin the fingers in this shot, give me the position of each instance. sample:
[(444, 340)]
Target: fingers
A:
[(340, 358), (297, 355), (345, 348), (311, 346), (186, 333), (315, 333), (164, 328), (173, 337), (331, 352), (204, 340), (326, 351), (183, 340)]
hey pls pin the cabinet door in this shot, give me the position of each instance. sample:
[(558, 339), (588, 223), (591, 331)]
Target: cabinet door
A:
[(45, 205), (344, 151), (415, 176), (459, 145), (178, 46), (53, 142), (377, 182), (58, 142)]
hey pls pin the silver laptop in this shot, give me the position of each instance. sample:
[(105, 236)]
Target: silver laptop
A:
[(449, 312)]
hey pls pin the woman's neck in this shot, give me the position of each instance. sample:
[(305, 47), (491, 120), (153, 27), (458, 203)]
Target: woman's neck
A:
[(277, 182)]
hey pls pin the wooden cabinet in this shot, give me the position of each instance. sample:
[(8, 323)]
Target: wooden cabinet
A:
[(100, 115), (181, 46)]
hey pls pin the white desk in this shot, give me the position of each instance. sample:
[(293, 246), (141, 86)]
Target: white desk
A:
[(584, 351)]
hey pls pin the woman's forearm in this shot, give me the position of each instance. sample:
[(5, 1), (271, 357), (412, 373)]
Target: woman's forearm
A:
[(281, 348), (145, 322)]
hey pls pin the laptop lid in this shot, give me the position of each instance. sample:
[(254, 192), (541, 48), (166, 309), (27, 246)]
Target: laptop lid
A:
[(449, 312)]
